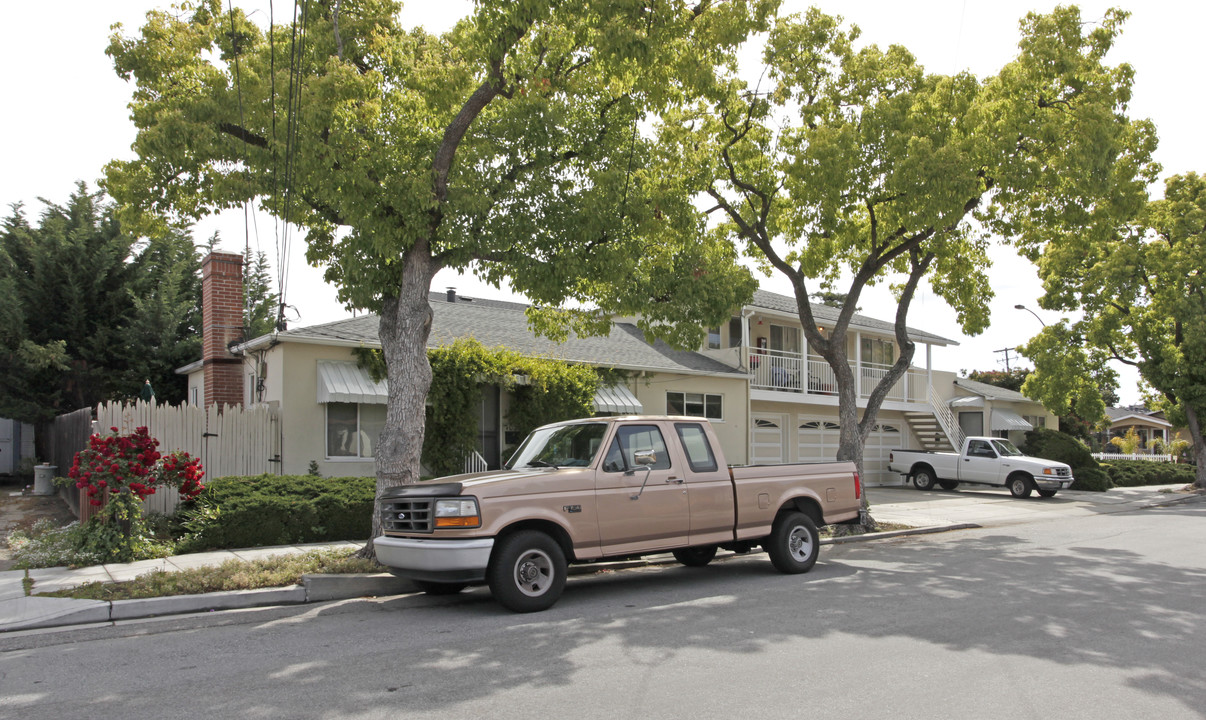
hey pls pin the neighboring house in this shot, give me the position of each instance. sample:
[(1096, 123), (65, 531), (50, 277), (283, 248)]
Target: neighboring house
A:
[(769, 399), (984, 409), (1148, 425)]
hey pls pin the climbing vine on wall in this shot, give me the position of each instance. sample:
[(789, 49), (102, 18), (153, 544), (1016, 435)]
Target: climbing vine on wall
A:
[(543, 391)]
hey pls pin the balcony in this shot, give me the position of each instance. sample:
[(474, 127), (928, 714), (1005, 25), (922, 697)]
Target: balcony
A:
[(788, 372)]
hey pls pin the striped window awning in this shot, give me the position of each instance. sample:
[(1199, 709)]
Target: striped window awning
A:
[(1003, 419), (349, 383), (618, 400)]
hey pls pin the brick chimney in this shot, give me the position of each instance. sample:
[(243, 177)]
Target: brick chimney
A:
[(222, 322)]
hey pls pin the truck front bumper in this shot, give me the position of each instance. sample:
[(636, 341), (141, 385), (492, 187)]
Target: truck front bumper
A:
[(454, 561), (1044, 483)]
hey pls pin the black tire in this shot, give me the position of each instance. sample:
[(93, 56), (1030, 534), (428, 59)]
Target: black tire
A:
[(439, 588), (948, 484), (1020, 485), (923, 479), (1047, 493), (527, 571), (793, 544), (695, 556)]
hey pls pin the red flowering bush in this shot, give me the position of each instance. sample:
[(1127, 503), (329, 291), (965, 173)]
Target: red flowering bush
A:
[(131, 464), (117, 471)]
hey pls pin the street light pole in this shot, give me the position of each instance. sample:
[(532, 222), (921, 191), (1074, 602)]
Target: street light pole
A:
[(1036, 317)]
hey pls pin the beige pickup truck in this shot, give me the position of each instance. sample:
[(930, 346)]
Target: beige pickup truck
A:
[(603, 489)]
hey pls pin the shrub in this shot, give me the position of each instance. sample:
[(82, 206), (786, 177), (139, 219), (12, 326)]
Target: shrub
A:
[(1134, 473), (46, 545), (1094, 479), (278, 510), (1058, 446)]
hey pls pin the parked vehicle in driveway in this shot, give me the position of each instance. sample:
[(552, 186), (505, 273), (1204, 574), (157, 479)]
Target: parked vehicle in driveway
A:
[(982, 461), (606, 488)]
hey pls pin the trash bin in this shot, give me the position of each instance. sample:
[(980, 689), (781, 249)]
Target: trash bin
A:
[(44, 479)]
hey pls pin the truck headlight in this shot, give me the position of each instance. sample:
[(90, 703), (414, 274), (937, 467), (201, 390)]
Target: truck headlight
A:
[(1050, 471), (457, 513)]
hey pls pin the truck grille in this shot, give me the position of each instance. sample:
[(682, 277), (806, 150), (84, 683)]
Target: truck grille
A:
[(405, 514), (1063, 472)]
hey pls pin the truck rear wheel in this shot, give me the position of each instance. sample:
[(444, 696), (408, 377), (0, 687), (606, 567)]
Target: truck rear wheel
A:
[(1020, 486), (527, 572), (923, 479), (793, 544), (695, 556)]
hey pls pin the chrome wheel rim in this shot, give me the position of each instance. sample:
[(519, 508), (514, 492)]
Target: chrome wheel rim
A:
[(799, 543), (534, 573)]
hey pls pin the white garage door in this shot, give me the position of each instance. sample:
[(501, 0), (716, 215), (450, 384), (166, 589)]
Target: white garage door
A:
[(885, 438), (817, 439), (766, 440)]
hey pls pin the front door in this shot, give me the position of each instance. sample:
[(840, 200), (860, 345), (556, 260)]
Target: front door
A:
[(641, 493)]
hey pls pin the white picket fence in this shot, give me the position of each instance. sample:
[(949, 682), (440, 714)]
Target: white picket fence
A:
[(233, 441), (1154, 457)]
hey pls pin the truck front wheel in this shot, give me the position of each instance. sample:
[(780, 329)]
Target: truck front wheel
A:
[(793, 544), (1020, 486), (527, 572), (923, 479)]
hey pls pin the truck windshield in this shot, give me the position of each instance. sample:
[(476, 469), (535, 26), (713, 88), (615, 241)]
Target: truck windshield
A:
[(1005, 448), (560, 446)]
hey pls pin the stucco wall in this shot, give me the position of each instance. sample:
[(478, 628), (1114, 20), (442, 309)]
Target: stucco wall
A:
[(732, 430)]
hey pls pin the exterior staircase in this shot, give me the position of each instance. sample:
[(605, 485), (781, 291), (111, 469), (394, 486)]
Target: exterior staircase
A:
[(928, 431), (937, 430)]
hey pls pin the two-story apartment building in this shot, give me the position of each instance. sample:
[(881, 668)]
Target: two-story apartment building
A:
[(769, 399)]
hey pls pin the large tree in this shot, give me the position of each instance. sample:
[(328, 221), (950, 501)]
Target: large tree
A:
[(856, 163), (1142, 292), (89, 313), (513, 144)]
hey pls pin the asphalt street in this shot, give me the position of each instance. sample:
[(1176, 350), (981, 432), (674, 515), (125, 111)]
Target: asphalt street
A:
[(1088, 616)]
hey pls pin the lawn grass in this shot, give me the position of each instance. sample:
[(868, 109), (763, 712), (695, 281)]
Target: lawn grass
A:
[(277, 571)]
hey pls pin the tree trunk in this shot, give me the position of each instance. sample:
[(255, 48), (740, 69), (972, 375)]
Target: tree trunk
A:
[(405, 327), (1199, 446)]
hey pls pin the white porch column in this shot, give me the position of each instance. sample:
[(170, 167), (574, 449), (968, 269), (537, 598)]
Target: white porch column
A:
[(858, 364), (929, 369)]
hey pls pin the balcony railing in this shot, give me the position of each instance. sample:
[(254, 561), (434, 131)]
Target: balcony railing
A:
[(792, 372)]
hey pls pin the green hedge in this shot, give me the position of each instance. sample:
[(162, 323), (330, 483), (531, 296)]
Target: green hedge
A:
[(1094, 479), (1058, 446), (1062, 447), (280, 510), (1133, 473)]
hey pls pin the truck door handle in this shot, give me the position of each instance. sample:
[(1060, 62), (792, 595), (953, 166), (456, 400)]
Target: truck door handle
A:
[(673, 479)]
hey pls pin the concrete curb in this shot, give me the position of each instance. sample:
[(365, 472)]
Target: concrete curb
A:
[(928, 530)]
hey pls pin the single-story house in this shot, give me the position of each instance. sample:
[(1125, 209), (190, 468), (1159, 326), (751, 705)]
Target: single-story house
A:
[(769, 399), (1148, 425)]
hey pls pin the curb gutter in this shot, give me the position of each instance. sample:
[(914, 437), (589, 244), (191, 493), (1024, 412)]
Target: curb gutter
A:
[(317, 588)]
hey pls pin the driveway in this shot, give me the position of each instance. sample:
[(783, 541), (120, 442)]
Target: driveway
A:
[(992, 507)]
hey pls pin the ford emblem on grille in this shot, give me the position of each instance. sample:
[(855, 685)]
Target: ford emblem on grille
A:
[(401, 516)]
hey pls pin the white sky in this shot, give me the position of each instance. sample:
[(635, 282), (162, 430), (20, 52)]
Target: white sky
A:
[(65, 116)]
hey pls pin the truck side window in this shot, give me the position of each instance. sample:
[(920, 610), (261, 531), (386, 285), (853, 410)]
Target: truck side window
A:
[(695, 443), (614, 462), (641, 440), (979, 448)]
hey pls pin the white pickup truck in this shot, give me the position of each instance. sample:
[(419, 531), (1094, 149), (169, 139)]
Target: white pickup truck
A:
[(983, 461)]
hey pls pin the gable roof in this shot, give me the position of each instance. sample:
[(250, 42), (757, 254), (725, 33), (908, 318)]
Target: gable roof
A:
[(1120, 415), (823, 313), (504, 324), (992, 392)]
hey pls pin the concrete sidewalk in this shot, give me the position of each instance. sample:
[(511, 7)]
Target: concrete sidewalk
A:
[(923, 512)]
